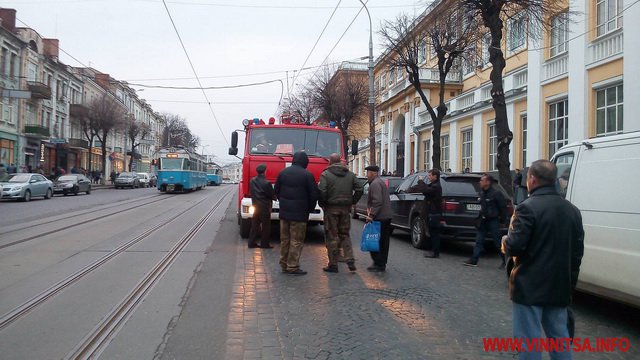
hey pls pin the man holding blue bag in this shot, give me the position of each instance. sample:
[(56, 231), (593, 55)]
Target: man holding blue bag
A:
[(378, 210)]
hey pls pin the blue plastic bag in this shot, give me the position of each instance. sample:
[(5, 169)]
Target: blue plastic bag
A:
[(371, 237)]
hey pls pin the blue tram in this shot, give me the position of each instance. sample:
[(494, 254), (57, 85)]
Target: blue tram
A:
[(214, 174), (180, 170)]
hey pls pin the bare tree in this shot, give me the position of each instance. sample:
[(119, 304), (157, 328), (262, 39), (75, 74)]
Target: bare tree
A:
[(406, 45), (105, 114), (177, 133), (492, 13), (87, 126), (341, 96), (301, 106), (135, 130)]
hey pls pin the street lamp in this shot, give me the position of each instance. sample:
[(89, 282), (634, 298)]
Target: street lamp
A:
[(372, 120)]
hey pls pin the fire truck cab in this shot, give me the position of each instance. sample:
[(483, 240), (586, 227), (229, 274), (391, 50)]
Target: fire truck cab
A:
[(274, 145)]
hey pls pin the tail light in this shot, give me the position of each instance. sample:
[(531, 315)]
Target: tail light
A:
[(450, 206)]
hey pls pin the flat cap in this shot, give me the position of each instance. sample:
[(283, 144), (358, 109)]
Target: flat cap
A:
[(374, 168), (261, 168)]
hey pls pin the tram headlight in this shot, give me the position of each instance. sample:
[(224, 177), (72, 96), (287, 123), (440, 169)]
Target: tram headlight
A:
[(245, 122), (251, 209)]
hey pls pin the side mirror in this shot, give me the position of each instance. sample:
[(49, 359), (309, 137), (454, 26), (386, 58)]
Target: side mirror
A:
[(354, 147), (233, 150)]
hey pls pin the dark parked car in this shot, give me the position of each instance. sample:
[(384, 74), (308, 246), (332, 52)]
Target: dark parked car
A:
[(127, 179), (72, 184), (360, 209), (460, 206)]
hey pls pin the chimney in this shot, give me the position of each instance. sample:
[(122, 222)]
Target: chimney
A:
[(51, 48), (103, 80), (8, 19)]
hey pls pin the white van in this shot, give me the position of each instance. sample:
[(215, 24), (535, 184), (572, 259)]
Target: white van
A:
[(600, 176)]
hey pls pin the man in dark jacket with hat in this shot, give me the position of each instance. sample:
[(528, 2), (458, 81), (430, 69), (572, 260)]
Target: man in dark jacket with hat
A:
[(379, 209), (339, 191), (261, 197), (297, 193), (546, 240)]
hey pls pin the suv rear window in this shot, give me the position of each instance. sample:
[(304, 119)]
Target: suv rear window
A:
[(462, 186)]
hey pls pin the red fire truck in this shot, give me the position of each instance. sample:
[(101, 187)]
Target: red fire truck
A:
[(274, 145)]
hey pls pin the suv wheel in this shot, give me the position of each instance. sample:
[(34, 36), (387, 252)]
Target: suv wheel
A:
[(418, 230)]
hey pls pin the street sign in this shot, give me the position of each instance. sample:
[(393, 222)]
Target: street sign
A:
[(58, 140)]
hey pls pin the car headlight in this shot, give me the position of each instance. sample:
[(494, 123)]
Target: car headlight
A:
[(16, 188)]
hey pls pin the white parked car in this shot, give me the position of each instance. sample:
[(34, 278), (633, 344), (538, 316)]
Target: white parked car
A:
[(144, 178), (24, 186)]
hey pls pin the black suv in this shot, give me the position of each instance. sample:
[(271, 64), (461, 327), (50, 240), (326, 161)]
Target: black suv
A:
[(460, 206), (360, 209)]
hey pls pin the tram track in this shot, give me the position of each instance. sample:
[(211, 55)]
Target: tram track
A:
[(161, 197), (99, 338), (26, 307)]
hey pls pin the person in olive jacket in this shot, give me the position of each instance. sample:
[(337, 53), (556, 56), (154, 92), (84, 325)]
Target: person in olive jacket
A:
[(379, 209), (546, 241), (261, 197), (297, 193), (339, 191)]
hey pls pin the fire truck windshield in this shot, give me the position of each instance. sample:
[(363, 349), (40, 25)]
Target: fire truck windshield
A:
[(314, 142)]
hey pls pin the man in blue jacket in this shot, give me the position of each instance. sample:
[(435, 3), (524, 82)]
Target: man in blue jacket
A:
[(546, 240), (297, 192)]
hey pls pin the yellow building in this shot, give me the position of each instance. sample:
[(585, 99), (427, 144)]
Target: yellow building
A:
[(563, 86)]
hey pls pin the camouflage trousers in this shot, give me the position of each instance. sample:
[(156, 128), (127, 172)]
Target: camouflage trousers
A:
[(337, 223), (292, 234)]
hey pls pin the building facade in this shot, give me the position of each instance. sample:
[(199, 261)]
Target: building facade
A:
[(567, 84), (45, 101)]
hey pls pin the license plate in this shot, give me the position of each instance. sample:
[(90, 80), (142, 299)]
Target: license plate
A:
[(473, 207), (170, 187)]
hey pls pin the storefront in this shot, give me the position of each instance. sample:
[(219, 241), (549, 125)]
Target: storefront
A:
[(8, 151), (96, 159)]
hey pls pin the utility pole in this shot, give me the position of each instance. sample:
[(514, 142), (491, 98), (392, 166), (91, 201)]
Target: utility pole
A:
[(372, 100)]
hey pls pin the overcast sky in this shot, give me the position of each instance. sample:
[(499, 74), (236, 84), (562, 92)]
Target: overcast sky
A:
[(229, 42)]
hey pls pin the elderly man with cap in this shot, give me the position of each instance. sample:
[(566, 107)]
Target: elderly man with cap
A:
[(379, 209), (261, 196)]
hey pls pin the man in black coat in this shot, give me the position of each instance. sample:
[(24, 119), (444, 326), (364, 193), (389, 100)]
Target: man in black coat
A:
[(297, 193), (261, 197), (492, 214), (546, 240), (433, 201)]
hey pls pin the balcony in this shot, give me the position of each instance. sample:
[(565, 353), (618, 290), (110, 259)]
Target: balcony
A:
[(555, 67), (78, 143), (605, 47), (78, 110), (432, 75), (39, 90), (37, 130)]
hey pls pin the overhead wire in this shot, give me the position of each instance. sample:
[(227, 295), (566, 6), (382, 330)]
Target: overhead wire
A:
[(314, 45), (195, 72)]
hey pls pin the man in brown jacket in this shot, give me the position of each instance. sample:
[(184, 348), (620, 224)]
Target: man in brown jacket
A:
[(379, 209)]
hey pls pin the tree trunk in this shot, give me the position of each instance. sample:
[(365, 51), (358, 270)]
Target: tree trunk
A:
[(504, 134)]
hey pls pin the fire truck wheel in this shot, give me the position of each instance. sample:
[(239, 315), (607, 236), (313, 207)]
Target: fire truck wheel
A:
[(245, 226)]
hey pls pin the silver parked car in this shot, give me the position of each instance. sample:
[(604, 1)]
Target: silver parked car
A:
[(127, 179), (24, 186), (72, 184)]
